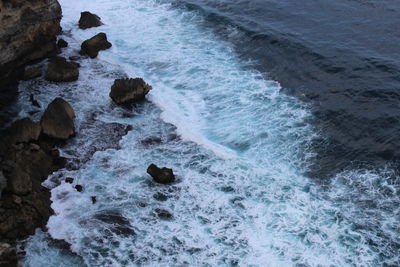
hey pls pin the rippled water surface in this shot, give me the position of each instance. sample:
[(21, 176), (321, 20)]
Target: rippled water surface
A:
[(282, 155)]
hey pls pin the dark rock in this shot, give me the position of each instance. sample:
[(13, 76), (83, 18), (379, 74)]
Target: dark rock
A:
[(58, 120), (160, 197), (24, 130), (94, 200), (74, 58), (161, 175), (20, 182), (62, 43), (79, 188), (34, 101), (8, 255), (126, 91), (59, 70), (31, 73), (69, 180), (116, 223), (28, 30), (89, 20), (163, 214), (3, 182), (92, 46)]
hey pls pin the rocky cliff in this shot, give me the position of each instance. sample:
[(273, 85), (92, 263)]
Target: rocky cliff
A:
[(27, 32)]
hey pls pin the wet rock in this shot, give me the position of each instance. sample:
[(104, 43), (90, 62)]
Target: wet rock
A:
[(24, 130), (8, 255), (161, 175), (60, 70), (163, 214), (31, 73), (92, 46), (74, 58), (58, 120), (94, 200), (20, 182), (78, 188), (116, 223), (34, 101), (89, 20), (160, 197), (3, 182), (62, 43), (69, 180), (126, 91)]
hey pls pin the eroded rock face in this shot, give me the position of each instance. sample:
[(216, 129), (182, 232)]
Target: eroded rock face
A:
[(89, 20), (27, 33), (92, 46), (58, 120), (60, 70), (126, 91)]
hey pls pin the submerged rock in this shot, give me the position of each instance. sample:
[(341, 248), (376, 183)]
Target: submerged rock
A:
[(92, 46), (62, 43), (31, 73), (89, 20), (161, 175), (126, 91), (60, 70), (163, 214), (58, 120)]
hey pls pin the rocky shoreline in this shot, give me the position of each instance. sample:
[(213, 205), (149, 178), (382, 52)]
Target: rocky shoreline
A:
[(28, 149)]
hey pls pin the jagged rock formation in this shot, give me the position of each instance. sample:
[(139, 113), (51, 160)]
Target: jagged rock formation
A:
[(27, 33), (126, 91), (89, 20), (92, 46)]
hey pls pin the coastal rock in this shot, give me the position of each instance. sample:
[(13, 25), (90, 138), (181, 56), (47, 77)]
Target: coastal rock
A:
[(58, 120), (27, 33), (3, 182), (89, 20), (62, 43), (8, 255), (163, 214), (31, 73), (126, 91), (161, 175), (24, 130), (20, 182), (78, 188), (34, 101), (92, 46), (69, 180), (60, 70)]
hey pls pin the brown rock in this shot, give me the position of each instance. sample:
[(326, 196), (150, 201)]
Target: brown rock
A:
[(8, 255), (126, 91), (92, 46), (24, 130), (58, 120), (20, 182), (31, 73), (59, 70), (89, 20), (161, 175), (69, 180)]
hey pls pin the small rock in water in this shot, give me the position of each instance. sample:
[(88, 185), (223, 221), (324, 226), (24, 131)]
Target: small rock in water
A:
[(89, 20), (92, 46), (62, 43), (126, 91), (59, 70), (163, 214), (74, 58), (58, 120), (94, 200), (31, 73), (69, 180), (160, 197), (33, 101), (161, 175), (78, 188)]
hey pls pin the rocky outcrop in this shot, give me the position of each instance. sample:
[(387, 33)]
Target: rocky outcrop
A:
[(58, 120), (126, 91), (31, 73), (92, 46), (60, 70), (27, 34), (89, 20), (161, 175)]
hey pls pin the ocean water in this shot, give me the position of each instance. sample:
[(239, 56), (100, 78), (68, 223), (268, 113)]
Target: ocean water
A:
[(239, 110)]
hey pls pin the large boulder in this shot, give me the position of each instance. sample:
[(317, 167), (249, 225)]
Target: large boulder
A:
[(161, 175), (24, 130), (89, 20), (92, 46), (126, 91), (58, 120), (60, 70)]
